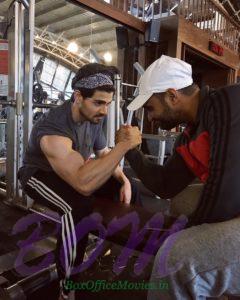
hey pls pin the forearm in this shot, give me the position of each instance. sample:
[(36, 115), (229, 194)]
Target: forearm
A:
[(96, 172), (119, 175), (165, 181), (146, 171)]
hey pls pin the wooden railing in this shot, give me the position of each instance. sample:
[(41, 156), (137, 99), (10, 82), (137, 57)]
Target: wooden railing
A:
[(211, 17), (207, 15)]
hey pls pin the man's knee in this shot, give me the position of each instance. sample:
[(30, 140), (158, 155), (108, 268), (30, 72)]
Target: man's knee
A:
[(176, 253)]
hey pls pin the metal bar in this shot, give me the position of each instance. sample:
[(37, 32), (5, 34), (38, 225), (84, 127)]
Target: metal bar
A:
[(161, 152), (142, 120), (3, 192), (153, 4), (207, 4), (231, 37), (228, 34), (7, 103), (138, 8), (218, 26), (222, 29), (236, 39), (128, 84), (131, 6), (201, 18), (125, 5), (44, 105), (117, 81), (198, 14), (214, 21), (129, 117), (168, 7), (204, 15), (139, 68), (143, 10), (13, 37), (188, 9), (179, 8), (160, 7), (211, 19), (32, 283), (111, 125), (192, 11), (160, 136), (35, 105), (47, 216)]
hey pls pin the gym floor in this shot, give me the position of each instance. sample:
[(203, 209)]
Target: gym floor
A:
[(101, 269)]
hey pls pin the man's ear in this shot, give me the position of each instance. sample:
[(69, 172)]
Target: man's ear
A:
[(171, 97), (78, 98)]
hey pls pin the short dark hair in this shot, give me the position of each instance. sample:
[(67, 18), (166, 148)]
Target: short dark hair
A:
[(91, 69), (189, 90)]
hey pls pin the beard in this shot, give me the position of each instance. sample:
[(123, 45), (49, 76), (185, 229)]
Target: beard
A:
[(168, 123), (169, 119), (94, 119)]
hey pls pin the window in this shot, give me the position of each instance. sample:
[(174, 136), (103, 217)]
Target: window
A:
[(48, 71), (69, 86), (60, 78), (35, 59)]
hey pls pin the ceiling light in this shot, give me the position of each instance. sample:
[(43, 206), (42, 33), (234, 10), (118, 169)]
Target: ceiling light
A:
[(72, 47), (107, 57)]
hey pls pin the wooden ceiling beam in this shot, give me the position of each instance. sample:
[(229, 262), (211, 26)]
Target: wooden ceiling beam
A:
[(110, 12)]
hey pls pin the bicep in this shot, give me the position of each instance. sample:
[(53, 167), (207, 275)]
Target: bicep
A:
[(62, 158)]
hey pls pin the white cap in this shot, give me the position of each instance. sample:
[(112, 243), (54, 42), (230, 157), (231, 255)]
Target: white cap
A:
[(166, 72)]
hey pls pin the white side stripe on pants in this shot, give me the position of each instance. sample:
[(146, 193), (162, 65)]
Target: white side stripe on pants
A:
[(69, 209), (64, 224), (52, 197)]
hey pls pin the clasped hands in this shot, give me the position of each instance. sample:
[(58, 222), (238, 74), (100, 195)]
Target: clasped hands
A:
[(130, 135)]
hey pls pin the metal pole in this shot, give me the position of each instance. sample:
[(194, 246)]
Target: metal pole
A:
[(29, 37), (14, 88), (117, 81), (160, 8), (111, 126), (143, 10), (128, 84), (28, 82), (161, 153)]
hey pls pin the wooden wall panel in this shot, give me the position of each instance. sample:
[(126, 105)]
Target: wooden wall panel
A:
[(199, 40)]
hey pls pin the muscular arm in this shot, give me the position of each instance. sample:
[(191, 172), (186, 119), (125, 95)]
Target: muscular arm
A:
[(165, 181), (118, 173), (70, 166)]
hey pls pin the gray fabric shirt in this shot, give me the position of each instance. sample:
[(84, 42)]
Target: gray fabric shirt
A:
[(86, 138)]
